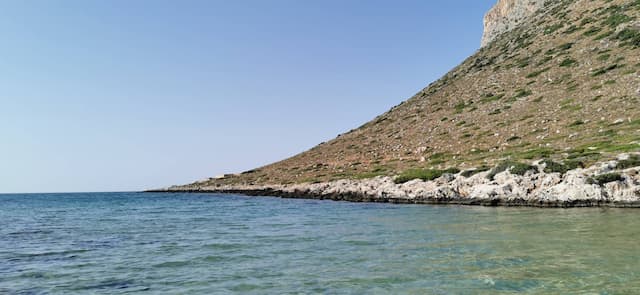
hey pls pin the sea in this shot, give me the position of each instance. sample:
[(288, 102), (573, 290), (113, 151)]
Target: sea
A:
[(157, 243)]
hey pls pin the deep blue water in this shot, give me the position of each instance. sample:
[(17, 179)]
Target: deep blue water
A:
[(113, 243)]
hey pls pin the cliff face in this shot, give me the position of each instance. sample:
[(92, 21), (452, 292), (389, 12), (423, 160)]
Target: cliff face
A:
[(506, 15)]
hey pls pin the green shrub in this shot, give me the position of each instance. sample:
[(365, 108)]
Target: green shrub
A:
[(616, 19), (472, 172), (587, 20), (562, 168), (512, 138), (576, 123), (565, 46), (550, 29), (633, 161), (460, 107), (604, 57), (523, 92), (572, 29), (513, 167), (573, 164), (537, 73), (568, 62), (603, 35), (524, 62), (554, 167), (521, 169), (629, 36), (602, 71), (545, 59), (536, 153), (592, 31), (451, 170), (605, 178), (424, 174), (491, 97)]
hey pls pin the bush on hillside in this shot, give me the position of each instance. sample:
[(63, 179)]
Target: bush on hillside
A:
[(633, 161), (605, 178), (424, 174), (513, 167)]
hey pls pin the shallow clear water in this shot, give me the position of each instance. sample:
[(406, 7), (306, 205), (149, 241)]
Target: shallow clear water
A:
[(220, 244)]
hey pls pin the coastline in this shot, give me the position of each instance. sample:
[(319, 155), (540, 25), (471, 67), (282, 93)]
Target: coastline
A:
[(356, 198), (574, 188)]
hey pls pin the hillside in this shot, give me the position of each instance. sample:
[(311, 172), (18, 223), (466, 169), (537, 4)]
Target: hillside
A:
[(564, 85)]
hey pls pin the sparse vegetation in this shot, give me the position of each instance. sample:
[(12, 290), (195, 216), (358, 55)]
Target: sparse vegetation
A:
[(562, 168), (545, 59), (576, 123), (551, 29), (472, 172), (513, 167), (537, 73), (631, 162), (616, 19), (602, 71), (592, 31), (567, 62), (491, 97), (461, 106), (603, 35), (513, 138), (423, 174), (572, 29), (604, 57), (537, 153), (523, 93), (565, 46), (629, 36), (605, 178)]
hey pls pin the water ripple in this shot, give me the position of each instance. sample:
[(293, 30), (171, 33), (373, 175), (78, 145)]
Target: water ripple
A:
[(119, 243)]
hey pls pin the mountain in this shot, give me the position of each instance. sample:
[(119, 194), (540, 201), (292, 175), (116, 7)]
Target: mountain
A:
[(556, 80)]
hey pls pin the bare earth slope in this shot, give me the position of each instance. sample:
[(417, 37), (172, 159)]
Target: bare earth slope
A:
[(563, 85)]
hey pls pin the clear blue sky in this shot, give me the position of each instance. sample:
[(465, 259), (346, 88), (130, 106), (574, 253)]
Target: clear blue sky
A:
[(127, 95)]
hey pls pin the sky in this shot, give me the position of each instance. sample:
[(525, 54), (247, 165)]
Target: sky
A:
[(130, 95)]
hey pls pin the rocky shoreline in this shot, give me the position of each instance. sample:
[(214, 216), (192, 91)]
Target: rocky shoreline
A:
[(575, 188)]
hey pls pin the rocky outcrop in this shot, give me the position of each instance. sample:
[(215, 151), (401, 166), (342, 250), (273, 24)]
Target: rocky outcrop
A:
[(575, 188), (506, 15)]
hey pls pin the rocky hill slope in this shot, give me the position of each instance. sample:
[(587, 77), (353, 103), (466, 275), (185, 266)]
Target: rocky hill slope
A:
[(556, 80)]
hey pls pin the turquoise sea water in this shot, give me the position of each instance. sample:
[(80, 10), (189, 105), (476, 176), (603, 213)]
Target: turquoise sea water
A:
[(114, 243)]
